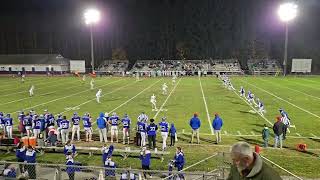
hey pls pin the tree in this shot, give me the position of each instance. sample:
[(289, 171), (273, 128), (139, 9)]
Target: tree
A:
[(119, 54)]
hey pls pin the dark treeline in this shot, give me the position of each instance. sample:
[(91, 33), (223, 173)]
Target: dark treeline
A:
[(155, 29)]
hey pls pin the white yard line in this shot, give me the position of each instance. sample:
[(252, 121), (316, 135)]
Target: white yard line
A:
[(135, 96), (159, 110), (18, 81), (302, 84), (93, 99), (65, 97), (27, 92), (298, 134), (206, 106), (291, 89), (315, 115), (313, 135)]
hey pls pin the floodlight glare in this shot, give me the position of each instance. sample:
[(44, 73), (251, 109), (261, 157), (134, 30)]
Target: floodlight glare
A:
[(287, 11), (91, 16)]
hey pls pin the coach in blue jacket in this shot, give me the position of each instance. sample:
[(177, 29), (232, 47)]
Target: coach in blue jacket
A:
[(195, 124), (102, 127), (217, 124)]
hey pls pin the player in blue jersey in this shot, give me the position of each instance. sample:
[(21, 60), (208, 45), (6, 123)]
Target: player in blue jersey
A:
[(2, 123), (36, 125), (75, 126), (8, 125), (65, 124), (27, 120), (152, 132), (126, 128), (114, 121), (261, 109), (164, 128), (87, 124), (242, 91), (50, 121), (250, 97), (142, 129)]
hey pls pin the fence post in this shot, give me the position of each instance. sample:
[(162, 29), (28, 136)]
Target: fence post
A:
[(58, 173), (223, 157)]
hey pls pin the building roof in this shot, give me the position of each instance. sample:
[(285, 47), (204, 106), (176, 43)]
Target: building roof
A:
[(33, 59)]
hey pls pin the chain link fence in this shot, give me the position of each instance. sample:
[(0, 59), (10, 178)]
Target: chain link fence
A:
[(214, 167)]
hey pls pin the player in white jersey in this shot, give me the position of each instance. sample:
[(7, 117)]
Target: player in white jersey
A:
[(23, 76), (31, 90), (153, 102), (91, 84), (98, 95), (250, 97), (242, 91), (137, 76), (164, 89), (84, 78), (174, 79)]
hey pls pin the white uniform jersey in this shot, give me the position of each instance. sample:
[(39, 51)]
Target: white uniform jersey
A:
[(91, 84), (153, 99), (99, 93), (143, 117)]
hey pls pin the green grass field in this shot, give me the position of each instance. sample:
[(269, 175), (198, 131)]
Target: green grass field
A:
[(299, 96)]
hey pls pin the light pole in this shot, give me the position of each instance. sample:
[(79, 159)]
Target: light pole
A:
[(287, 12), (91, 17)]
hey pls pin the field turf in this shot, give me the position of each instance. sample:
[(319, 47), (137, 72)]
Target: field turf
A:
[(299, 96)]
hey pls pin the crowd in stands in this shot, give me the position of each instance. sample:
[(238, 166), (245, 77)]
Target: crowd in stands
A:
[(231, 65), (114, 66), (263, 65)]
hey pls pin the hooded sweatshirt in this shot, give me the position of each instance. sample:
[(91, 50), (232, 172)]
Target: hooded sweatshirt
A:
[(101, 121)]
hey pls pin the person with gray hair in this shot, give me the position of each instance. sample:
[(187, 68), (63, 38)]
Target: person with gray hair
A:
[(249, 165)]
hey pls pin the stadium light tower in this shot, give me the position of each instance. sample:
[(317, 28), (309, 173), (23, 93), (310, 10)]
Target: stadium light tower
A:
[(91, 17), (287, 12)]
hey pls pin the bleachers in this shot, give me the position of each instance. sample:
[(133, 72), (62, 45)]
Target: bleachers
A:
[(114, 66), (264, 66)]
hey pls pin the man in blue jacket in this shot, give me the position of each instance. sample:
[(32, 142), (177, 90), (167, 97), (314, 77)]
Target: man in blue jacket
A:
[(179, 161), (217, 124), (102, 125), (195, 124), (145, 157)]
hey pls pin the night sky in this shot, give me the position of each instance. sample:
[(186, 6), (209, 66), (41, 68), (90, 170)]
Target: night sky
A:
[(153, 29)]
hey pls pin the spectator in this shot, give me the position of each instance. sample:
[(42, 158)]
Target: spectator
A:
[(195, 124), (109, 171), (107, 152), (217, 124), (249, 165), (265, 135), (145, 157), (173, 134), (102, 125), (9, 172), (179, 161), (70, 163), (278, 129), (152, 131), (30, 157), (69, 148), (20, 154), (52, 136)]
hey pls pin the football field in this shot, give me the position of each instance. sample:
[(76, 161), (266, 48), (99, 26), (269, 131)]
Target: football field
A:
[(299, 96)]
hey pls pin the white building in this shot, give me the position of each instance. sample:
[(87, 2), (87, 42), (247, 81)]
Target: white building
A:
[(33, 63)]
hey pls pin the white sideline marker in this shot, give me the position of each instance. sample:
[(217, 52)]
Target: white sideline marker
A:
[(205, 104), (239, 133), (298, 134)]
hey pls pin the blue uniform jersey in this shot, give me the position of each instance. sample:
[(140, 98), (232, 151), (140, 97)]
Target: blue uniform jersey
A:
[(114, 120), (27, 120), (65, 124), (59, 122), (141, 127), (1, 120), (126, 122), (152, 129), (37, 124), (50, 121), (75, 120), (20, 117), (242, 91), (164, 126), (86, 121), (8, 121)]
